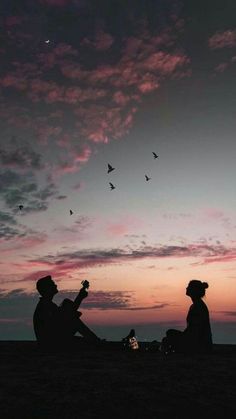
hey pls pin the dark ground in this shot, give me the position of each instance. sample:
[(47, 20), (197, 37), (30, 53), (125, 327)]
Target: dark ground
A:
[(121, 384)]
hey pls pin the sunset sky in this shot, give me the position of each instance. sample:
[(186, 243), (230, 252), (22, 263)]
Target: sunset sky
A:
[(84, 83)]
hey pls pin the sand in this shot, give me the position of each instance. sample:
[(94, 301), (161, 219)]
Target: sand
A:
[(120, 384)]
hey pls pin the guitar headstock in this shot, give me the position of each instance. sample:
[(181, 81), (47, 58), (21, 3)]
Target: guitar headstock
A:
[(85, 284)]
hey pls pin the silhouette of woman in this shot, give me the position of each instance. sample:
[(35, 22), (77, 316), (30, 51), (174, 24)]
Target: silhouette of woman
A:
[(197, 337)]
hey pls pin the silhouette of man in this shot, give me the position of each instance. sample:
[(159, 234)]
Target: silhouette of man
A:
[(56, 325)]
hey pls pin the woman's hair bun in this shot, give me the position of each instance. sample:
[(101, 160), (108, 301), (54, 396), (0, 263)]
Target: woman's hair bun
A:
[(205, 285)]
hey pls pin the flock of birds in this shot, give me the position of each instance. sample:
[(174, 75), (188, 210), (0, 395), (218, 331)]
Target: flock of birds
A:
[(110, 169)]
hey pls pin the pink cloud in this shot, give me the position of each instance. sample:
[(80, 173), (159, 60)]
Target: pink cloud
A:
[(84, 155), (164, 62), (102, 41), (213, 213), (102, 100), (220, 68), (120, 98), (76, 158), (99, 123), (14, 81), (63, 49), (226, 39), (66, 168), (19, 121), (117, 229), (148, 86), (72, 70), (75, 95), (85, 259), (132, 46), (220, 259), (44, 132), (66, 264), (64, 141), (103, 73)]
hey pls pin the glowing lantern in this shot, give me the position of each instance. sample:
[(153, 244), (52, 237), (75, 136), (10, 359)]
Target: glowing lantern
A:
[(133, 343)]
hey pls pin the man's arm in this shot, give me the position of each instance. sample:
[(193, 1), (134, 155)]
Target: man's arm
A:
[(82, 294)]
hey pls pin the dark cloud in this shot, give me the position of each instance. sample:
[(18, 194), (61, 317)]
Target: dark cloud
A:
[(17, 188), (229, 313), (21, 234), (61, 197), (7, 218), (21, 157), (172, 216), (101, 300), (18, 303), (44, 193), (8, 178), (141, 308), (79, 227), (8, 232), (8, 226)]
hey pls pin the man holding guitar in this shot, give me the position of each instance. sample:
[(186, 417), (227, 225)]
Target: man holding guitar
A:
[(56, 325)]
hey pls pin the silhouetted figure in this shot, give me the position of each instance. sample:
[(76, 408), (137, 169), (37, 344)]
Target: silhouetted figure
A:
[(155, 155), (71, 212), (55, 326), (110, 168), (21, 207), (130, 335), (111, 186), (197, 337)]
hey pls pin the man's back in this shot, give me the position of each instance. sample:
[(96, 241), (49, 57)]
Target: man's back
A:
[(46, 321)]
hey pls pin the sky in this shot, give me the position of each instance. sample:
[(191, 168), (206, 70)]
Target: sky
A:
[(87, 83)]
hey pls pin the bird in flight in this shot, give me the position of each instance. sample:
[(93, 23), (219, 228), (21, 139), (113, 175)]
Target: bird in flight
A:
[(21, 207), (147, 178), (111, 185), (110, 168), (71, 212), (155, 155)]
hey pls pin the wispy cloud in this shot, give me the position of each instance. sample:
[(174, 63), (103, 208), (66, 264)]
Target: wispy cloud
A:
[(220, 68), (17, 303), (229, 313), (223, 39), (66, 263), (23, 236)]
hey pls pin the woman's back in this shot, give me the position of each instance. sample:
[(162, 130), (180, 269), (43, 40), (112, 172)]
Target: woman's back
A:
[(198, 335)]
